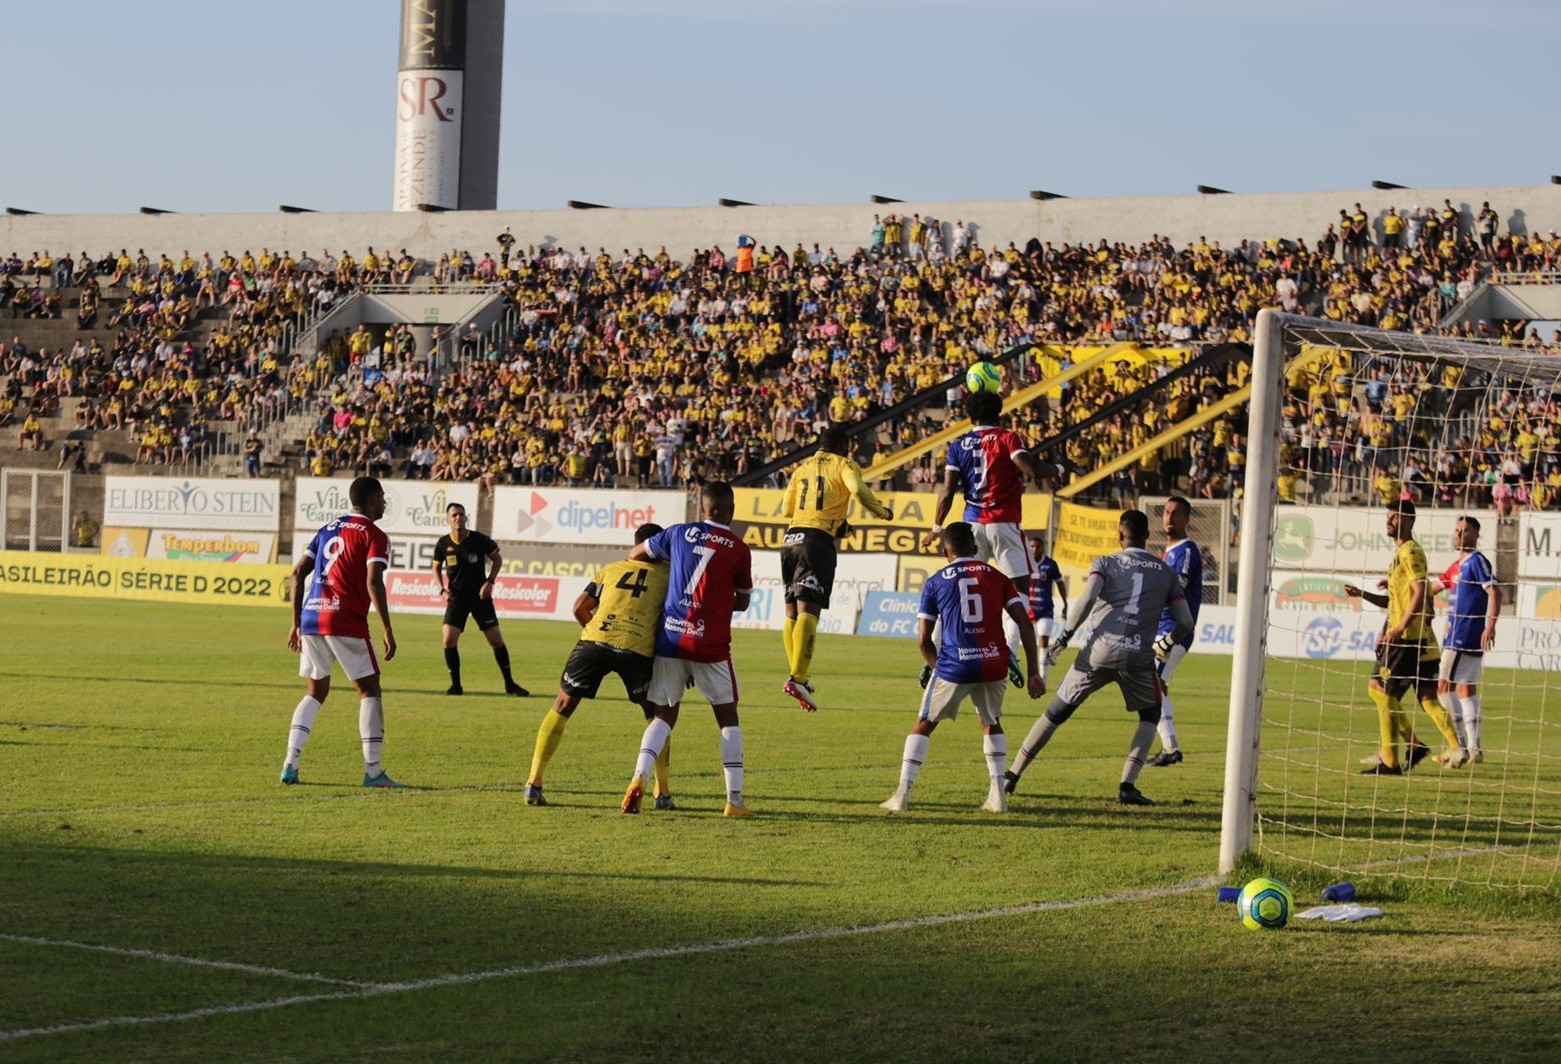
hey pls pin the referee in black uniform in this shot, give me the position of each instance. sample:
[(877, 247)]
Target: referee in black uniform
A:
[(466, 563)]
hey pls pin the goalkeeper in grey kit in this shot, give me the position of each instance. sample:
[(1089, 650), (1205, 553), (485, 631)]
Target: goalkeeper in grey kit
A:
[(1123, 597)]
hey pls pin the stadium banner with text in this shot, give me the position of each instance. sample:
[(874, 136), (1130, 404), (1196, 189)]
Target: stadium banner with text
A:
[(1325, 591), (582, 515), (761, 520), (889, 613), (1084, 533), (246, 548), (214, 504), (1355, 538), (863, 574), (412, 507), (542, 559), (143, 579), (1539, 547), (406, 552), (514, 597)]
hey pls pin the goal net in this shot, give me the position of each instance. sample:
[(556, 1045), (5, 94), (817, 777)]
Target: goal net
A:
[(1346, 421)]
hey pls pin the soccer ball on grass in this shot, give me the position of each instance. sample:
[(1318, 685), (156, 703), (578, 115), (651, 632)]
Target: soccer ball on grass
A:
[(1265, 904), (983, 377)]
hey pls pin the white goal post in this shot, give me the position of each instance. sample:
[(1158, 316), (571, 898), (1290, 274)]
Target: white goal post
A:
[(1404, 410)]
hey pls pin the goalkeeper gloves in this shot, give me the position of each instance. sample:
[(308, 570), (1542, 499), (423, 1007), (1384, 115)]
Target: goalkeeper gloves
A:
[(1060, 644), (926, 676), (1163, 645)]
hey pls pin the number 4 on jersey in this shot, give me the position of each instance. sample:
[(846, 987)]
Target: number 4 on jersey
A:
[(634, 583)]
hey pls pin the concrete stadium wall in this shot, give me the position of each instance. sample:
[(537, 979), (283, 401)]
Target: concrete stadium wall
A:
[(1226, 218)]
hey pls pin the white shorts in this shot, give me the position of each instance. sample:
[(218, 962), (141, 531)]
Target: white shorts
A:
[(716, 680), (1048, 627), (1003, 545), (1461, 666), (1168, 666), (320, 652), (942, 700)]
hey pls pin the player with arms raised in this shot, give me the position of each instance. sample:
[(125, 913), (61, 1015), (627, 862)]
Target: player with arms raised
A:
[(1183, 555), (618, 614), (1122, 599), (988, 464), (967, 599), (711, 578), (344, 567), (817, 499), (1471, 631)]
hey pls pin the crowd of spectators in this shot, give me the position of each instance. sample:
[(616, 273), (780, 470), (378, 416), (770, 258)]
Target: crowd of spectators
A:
[(644, 369)]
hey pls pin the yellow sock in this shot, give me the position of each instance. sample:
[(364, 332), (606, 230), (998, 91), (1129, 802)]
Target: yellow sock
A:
[(664, 769), (1387, 724), (788, 637), (1444, 724), (549, 735), (802, 645)]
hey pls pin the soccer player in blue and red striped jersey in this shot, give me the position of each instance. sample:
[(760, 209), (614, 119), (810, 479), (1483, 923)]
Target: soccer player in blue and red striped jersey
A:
[(711, 578), (1471, 631), (968, 599), (1047, 585), (344, 567), (988, 465)]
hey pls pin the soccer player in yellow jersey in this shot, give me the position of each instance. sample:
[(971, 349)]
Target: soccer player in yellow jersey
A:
[(1408, 655), (618, 612), (817, 499)]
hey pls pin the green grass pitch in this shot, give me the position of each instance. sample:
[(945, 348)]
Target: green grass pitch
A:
[(241, 920)]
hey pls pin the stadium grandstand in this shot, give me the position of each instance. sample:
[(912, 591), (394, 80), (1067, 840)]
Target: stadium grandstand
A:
[(661, 348)]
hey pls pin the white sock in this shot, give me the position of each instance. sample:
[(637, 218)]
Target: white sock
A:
[(298, 734), (1040, 652), (1166, 727), (1454, 707), (910, 763), (1143, 739), (732, 763), (371, 727), (651, 742), (995, 747), (1471, 722)]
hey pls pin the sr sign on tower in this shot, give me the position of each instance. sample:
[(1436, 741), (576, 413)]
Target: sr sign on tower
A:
[(429, 85)]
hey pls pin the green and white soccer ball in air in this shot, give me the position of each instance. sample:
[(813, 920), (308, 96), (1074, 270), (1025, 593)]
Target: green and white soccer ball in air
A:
[(983, 377), (1265, 904)]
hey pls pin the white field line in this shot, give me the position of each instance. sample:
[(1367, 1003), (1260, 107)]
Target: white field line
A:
[(605, 959), (174, 958)]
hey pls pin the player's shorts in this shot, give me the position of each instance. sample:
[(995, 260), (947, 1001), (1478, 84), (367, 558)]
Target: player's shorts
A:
[(716, 680), (321, 652), (942, 699), (1138, 680), (1461, 666), (589, 663), (1168, 666), (1003, 544), (1401, 666), (478, 609), (1048, 627), (807, 560)]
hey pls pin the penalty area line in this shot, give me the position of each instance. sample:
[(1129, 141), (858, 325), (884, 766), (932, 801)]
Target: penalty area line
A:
[(175, 958), (361, 991)]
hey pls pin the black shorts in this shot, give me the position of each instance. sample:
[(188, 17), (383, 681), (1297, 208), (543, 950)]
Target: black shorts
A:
[(808, 566), (589, 663), (1401, 666), (478, 609)]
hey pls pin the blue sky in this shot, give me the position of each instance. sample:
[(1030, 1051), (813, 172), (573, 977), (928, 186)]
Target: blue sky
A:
[(219, 106)]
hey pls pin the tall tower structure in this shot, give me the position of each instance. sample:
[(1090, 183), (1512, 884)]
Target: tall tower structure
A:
[(448, 88)]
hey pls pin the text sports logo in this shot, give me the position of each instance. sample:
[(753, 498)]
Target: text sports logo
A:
[(1326, 637)]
